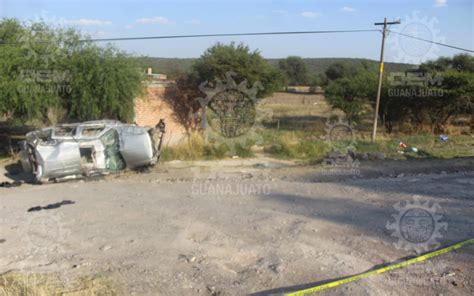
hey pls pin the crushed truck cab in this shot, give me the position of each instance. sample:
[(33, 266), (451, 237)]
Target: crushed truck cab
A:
[(90, 148)]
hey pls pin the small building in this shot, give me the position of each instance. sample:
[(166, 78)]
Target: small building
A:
[(155, 77)]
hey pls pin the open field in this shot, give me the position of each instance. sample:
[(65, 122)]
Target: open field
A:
[(297, 127)]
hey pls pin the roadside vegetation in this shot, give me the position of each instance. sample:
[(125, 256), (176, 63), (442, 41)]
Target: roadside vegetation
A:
[(51, 74), (57, 75), (433, 99)]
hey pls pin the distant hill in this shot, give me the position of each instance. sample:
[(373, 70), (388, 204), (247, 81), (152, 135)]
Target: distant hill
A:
[(173, 67), (319, 65)]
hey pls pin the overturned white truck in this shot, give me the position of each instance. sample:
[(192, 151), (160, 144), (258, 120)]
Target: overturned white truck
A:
[(90, 148)]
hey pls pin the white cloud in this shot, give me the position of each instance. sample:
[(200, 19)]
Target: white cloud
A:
[(154, 20), (348, 9), (440, 3), (310, 14), (88, 22)]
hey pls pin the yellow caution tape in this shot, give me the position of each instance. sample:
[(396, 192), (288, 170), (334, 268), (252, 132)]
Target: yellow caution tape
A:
[(382, 269)]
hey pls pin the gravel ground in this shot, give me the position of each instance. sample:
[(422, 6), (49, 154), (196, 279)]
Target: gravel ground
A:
[(242, 227)]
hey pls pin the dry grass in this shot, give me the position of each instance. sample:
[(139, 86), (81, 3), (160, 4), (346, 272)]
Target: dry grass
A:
[(191, 149), (50, 284), (298, 128)]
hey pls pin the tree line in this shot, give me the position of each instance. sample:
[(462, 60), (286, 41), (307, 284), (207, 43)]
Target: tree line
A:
[(427, 97)]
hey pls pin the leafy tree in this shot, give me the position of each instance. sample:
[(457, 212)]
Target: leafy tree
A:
[(351, 94), (319, 80), (44, 69), (295, 70), (431, 104), (460, 62), (457, 98), (338, 70), (219, 59), (105, 82), (23, 90), (463, 63)]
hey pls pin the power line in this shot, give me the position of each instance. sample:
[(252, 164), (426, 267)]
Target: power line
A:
[(430, 41), (227, 35), (246, 34), (206, 35)]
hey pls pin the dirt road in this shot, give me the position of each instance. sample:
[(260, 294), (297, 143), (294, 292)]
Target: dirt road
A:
[(233, 228)]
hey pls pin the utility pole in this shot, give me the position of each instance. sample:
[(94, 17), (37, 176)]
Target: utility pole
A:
[(381, 66)]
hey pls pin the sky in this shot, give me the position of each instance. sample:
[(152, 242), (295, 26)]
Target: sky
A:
[(446, 21)]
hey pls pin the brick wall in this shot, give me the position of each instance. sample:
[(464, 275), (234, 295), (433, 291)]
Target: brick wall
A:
[(151, 107)]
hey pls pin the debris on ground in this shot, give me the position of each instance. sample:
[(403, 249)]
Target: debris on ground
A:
[(105, 248), (10, 184), (404, 148), (187, 258), (52, 206), (444, 138)]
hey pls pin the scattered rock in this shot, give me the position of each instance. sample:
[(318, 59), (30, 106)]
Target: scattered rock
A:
[(105, 248), (212, 290), (377, 155), (2, 240), (247, 176), (336, 154), (262, 165), (452, 273), (276, 268), (401, 175), (367, 156), (187, 258)]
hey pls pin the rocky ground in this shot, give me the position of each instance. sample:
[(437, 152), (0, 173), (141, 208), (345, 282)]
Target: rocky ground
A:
[(239, 227)]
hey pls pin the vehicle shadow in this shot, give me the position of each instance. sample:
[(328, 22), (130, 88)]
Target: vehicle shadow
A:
[(15, 172)]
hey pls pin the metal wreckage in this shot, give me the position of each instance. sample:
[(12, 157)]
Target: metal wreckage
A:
[(92, 148)]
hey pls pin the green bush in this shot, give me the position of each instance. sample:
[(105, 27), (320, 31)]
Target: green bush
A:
[(293, 145)]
